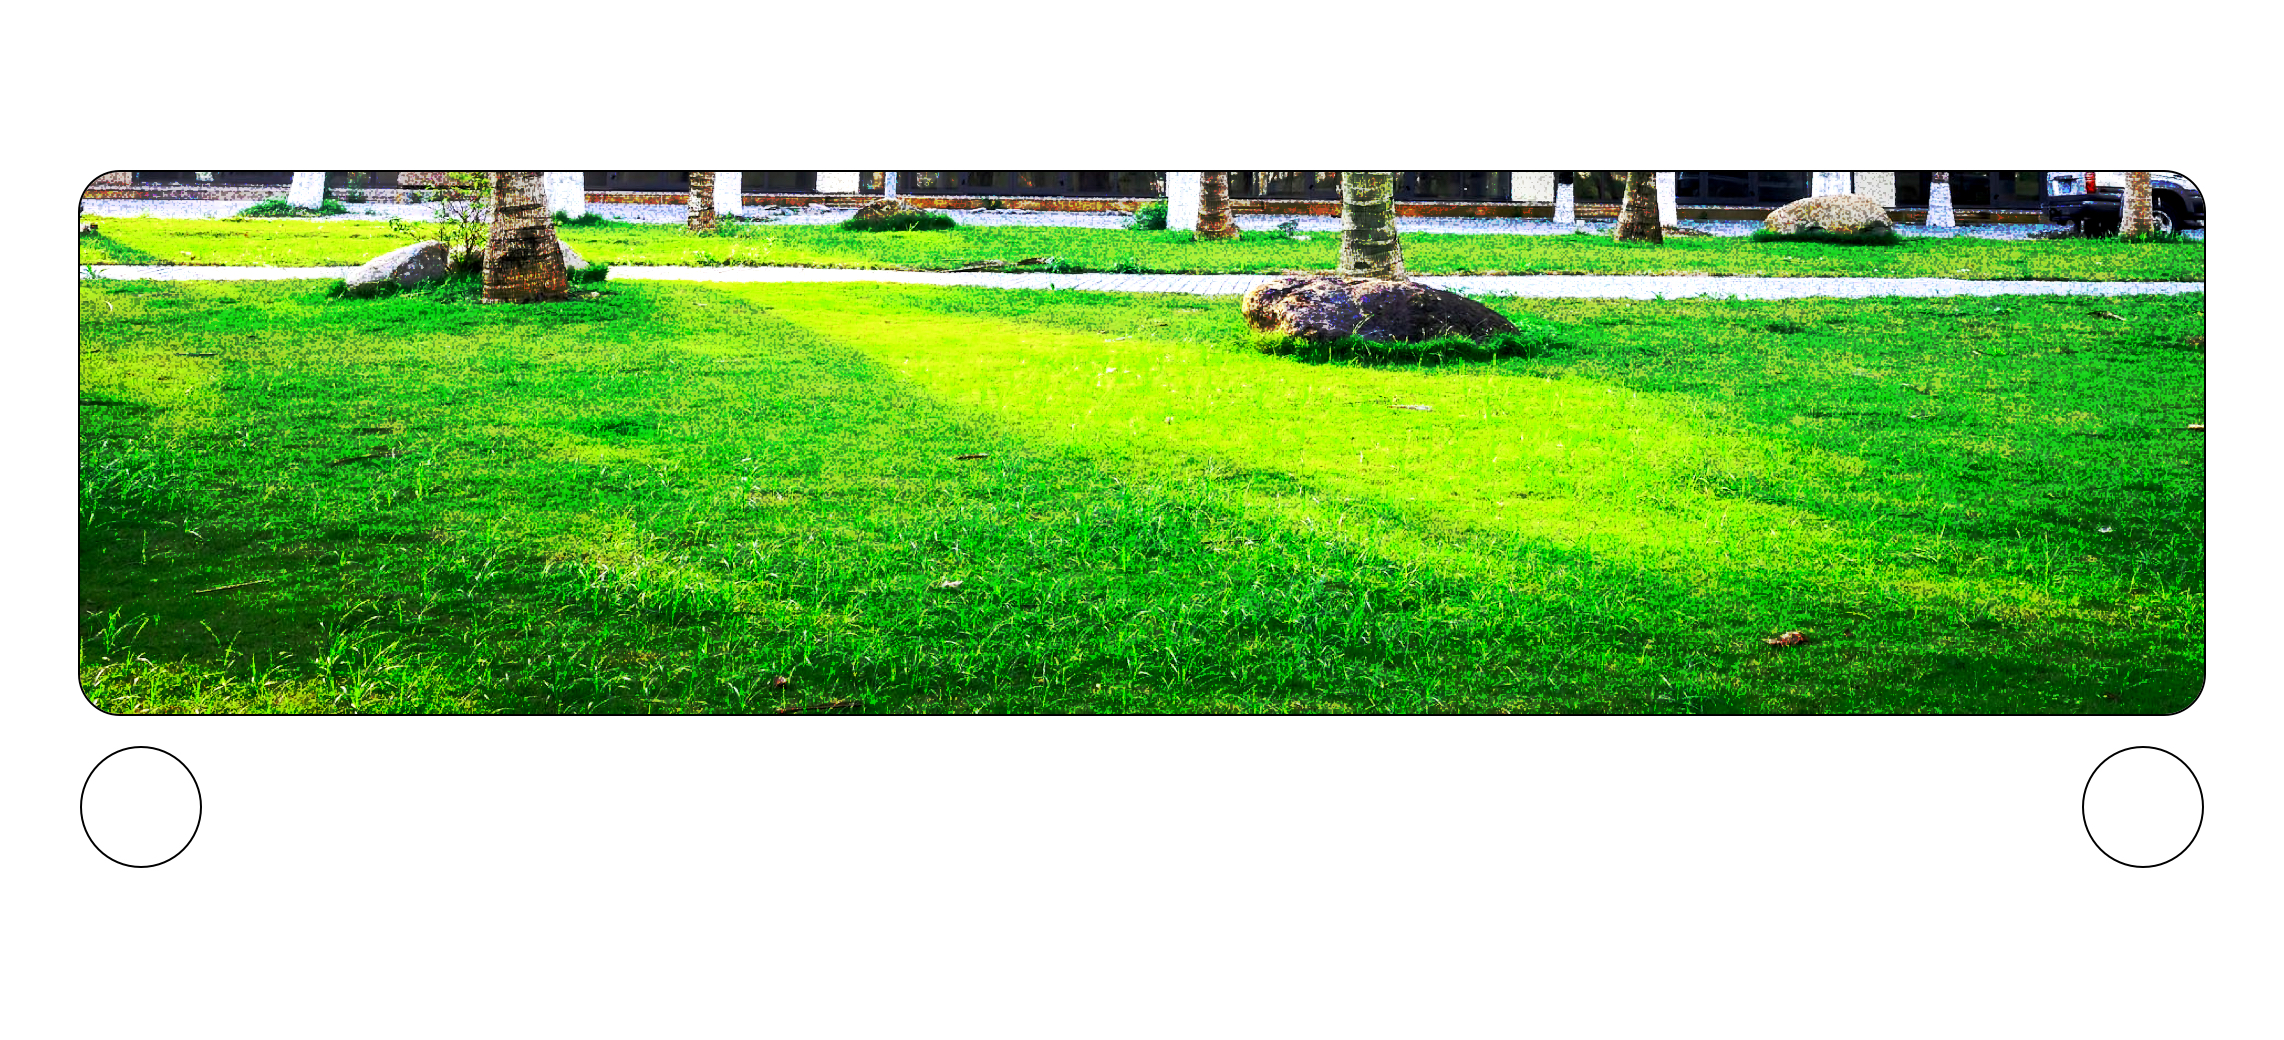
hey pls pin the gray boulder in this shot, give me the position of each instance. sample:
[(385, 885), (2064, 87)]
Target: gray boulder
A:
[(571, 259), (1320, 307), (1839, 214), (416, 264)]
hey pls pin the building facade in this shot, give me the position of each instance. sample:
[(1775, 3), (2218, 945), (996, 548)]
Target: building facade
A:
[(2001, 193)]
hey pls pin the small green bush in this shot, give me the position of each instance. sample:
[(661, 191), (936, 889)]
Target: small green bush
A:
[(906, 221), (592, 274), (282, 208), (1875, 237), (563, 219), (1149, 216)]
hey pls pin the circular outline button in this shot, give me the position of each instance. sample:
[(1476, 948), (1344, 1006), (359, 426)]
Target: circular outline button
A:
[(195, 790)]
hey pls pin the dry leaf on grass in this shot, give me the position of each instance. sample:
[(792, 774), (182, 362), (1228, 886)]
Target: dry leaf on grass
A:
[(964, 458), (1788, 639), (2106, 314), (948, 583)]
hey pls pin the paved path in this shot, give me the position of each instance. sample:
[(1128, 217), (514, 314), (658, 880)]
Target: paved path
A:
[(1539, 286)]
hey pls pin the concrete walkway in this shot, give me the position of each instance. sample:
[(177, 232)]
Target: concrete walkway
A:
[(1538, 286)]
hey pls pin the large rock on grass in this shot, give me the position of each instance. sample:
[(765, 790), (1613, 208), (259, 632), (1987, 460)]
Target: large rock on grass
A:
[(1319, 308), (416, 264), (1837, 214), (571, 259)]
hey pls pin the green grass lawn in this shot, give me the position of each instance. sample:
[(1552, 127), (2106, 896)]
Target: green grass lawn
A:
[(664, 497), (303, 243)]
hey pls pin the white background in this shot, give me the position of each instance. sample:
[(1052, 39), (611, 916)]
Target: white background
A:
[(1147, 877)]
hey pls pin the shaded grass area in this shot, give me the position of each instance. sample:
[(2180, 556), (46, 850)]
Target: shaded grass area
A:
[(665, 497), (333, 243)]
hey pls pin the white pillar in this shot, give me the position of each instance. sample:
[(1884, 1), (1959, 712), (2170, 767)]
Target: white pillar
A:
[(1565, 204), (1668, 210), (1830, 183), (1530, 187), (1939, 206), (729, 192), (566, 192), (1184, 193), (308, 191), (888, 183), (843, 182)]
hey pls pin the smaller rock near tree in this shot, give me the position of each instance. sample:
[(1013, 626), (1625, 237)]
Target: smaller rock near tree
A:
[(1321, 308), (571, 259), (416, 264), (1838, 214)]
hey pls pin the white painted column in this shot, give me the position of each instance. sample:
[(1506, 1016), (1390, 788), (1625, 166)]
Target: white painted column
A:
[(842, 182), (729, 192), (1565, 203), (566, 192), (1830, 183), (1668, 210), (1939, 206), (1530, 187), (888, 184), (1184, 193), (308, 191)]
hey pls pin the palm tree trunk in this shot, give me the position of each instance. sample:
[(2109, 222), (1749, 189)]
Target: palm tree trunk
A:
[(1214, 224), (1369, 245), (1939, 201), (2134, 217), (523, 263), (1638, 217), (701, 201)]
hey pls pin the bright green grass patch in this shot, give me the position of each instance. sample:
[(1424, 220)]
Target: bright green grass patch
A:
[(338, 243), (664, 497)]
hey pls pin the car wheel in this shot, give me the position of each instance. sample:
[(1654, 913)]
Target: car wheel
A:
[(2160, 215)]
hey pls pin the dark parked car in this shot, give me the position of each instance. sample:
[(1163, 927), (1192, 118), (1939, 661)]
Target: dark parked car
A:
[(2175, 203)]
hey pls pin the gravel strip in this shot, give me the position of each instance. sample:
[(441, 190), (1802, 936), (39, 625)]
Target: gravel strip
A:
[(658, 214), (1540, 286)]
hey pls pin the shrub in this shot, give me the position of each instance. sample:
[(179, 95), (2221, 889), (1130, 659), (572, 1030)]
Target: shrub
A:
[(463, 217), (563, 219), (590, 275), (282, 208), (908, 220), (1149, 216), (1872, 237)]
